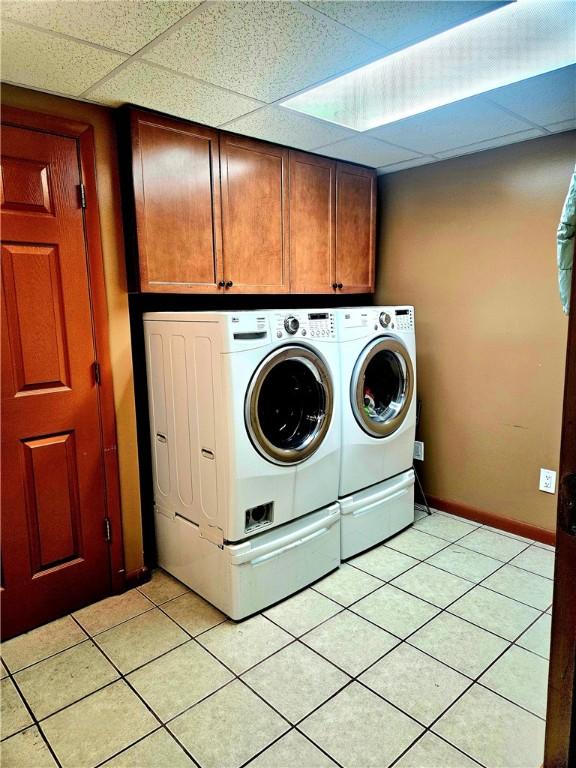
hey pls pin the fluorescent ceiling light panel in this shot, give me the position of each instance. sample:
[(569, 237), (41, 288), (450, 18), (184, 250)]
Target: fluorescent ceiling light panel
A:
[(512, 43)]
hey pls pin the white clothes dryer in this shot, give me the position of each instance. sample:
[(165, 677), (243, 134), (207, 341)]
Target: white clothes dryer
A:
[(245, 446), (378, 380)]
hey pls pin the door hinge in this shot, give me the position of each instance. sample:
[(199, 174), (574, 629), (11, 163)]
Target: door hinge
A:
[(107, 529), (97, 373), (82, 193), (567, 505)]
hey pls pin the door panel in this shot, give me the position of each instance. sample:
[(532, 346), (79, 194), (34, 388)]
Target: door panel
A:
[(55, 556), (355, 228), (25, 186), (37, 339), (51, 483), (254, 215), (312, 223), (177, 197)]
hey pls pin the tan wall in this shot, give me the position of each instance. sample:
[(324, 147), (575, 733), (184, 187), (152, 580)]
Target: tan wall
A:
[(471, 243), (112, 245)]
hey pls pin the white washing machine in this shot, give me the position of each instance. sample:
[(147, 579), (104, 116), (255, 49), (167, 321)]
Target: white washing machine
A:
[(378, 380), (246, 451)]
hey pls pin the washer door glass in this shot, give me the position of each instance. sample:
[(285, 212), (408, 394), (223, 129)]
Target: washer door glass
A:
[(382, 386), (289, 405)]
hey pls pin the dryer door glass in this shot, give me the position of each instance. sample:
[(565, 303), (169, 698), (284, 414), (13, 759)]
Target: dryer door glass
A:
[(289, 405), (382, 386)]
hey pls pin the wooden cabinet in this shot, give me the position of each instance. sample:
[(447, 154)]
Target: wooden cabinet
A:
[(355, 228), (214, 212), (312, 223), (175, 171), (332, 226), (254, 215)]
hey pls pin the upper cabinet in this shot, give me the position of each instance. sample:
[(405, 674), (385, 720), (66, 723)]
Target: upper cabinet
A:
[(176, 185), (213, 212), (254, 178), (312, 223), (355, 228)]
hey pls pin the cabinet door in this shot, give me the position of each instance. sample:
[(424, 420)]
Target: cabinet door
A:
[(355, 228), (175, 169), (312, 223), (254, 215)]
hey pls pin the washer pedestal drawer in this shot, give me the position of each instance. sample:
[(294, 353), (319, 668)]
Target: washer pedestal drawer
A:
[(244, 578), (370, 516)]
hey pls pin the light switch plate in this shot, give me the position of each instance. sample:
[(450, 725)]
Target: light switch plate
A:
[(547, 481)]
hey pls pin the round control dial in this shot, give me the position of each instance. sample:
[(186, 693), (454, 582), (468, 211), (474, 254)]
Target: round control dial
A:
[(291, 324), (385, 319)]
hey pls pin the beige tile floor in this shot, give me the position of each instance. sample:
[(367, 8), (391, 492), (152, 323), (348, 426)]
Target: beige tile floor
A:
[(430, 651)]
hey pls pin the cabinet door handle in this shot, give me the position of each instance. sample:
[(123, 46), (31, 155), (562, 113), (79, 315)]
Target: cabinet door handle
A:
[(334, 285), (340, 285), (229, 284), (221, 284)]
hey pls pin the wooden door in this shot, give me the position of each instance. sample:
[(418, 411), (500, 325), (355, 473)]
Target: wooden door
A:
[(355, 228), (254, 215), (176, 178), (560, 749), (312, 223), (55, 499)]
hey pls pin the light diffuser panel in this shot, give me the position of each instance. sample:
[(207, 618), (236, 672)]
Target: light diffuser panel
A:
[(505, 46)]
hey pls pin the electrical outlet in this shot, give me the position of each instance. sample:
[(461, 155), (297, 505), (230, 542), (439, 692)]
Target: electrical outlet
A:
[(547, 481), (419, 450)]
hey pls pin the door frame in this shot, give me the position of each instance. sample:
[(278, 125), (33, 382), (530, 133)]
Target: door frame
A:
[(84, 134), (560, 746)]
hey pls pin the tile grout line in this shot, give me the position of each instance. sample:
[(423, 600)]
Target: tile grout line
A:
[(124, 749), (124, 679), (475, 681), (295, 639), (355, 678), (35, 722), (474, 584)]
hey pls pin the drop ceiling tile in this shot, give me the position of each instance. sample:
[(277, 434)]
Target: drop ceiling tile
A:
[(366, 150), (549, 98), (285, 126), (124, 25), (565, 125), (414, 163), (265, 50), (466, 122), (41, 60), (149, 86), (396, 24), (502, 141)]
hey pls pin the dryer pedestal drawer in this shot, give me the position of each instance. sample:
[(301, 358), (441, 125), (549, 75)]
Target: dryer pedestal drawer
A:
[(241, 579), (376, 513)]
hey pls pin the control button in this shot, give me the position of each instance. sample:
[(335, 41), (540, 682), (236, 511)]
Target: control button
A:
[(279, 334), (303, 331), (312, 333), (385, 319), (291, 324)]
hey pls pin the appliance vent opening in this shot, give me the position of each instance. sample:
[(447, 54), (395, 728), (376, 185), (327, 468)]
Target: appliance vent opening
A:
[(259, 516)]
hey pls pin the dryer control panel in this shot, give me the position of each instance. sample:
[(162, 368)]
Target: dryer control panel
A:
[(304, 324), (404, 318)]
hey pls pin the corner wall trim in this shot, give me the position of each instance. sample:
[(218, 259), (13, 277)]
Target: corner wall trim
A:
[(137, 577), (542, 535)]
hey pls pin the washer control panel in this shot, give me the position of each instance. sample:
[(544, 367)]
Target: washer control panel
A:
[(302, 324)]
